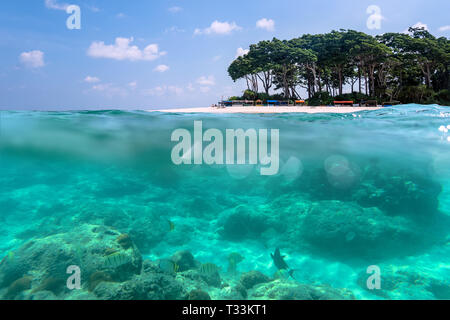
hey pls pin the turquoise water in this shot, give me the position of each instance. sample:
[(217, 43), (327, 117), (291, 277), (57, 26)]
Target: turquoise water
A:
[(354, 190)]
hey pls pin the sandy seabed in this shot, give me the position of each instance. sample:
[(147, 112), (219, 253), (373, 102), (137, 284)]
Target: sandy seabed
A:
[(322, 109)]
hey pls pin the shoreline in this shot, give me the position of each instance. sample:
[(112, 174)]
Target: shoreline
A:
[(258, 110)]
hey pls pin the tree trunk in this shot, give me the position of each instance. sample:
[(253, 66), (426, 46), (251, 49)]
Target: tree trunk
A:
[(320, 81), (359, 79), (365, 84), (285, 83)]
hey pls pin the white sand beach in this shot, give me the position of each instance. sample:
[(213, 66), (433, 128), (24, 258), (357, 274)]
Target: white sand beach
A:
[(322, 109)]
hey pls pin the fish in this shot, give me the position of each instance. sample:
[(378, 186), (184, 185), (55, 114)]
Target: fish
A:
[(171, 225), (168, 266), (279, 262), (116, 260), (9, 257), (208, 269), (235, 257), (281, 274)]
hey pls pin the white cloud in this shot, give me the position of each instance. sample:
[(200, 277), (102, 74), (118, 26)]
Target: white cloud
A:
[(110, 90), (164, 90), (93, 8), (121, 15), (161, 68), (241, 52), (218, 27), (90, 79), (190, 87), (444, 28), (53, 4), (174, 29), (205, 89), (206, 81), (175, 9), (133, 85), (32, 59), (217, 58), (122, 50), (267, 24), (418, 25)]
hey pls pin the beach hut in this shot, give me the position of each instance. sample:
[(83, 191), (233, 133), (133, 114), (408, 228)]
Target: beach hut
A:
[(273, 102), (259, 103), (299, 102)]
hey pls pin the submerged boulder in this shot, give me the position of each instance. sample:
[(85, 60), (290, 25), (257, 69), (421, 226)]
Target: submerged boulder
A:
[(244, 222), (345, 229), (407, 194), (146, 286), (400, 282), (92, 248), (252, 278), (184, 260), (290, 290)]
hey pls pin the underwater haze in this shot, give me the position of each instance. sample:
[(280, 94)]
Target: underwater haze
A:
[(98, 190)]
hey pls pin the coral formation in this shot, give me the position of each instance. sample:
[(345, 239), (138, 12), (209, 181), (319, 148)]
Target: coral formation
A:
[(54, 285), (125, 241), (18, 287), (198, 295), (185, 260), (252, 278)]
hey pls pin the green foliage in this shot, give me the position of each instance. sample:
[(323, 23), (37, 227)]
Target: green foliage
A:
[(354, 96), (412, 67), (250, 95), (321, 99)]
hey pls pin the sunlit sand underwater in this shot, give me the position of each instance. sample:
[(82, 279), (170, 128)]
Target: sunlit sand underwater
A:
[(98, 190)]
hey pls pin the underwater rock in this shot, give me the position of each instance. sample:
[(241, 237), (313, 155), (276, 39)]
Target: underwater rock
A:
[(145, 225), (343, 229), (290, 290), (125, 241), (149, 231), (43, 295), (54, 285), (48, 258), (147, 286), (243, 222), (96, 278), (237, 292), (200, 279), (199, 295), (405, 282), (185, 260), (18, 287), (252, 278), (210, 274), (409, 192)]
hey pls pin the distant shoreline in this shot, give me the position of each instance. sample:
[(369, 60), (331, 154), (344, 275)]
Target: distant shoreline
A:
[(257, 110)]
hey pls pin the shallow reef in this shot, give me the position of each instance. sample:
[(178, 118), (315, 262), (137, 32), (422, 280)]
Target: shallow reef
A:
[(98, 190), (33, 274)]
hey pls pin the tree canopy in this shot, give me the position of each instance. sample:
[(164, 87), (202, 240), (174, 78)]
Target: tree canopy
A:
[(410, 67)]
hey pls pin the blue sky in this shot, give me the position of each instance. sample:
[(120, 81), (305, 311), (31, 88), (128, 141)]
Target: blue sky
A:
[(145, 54)]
